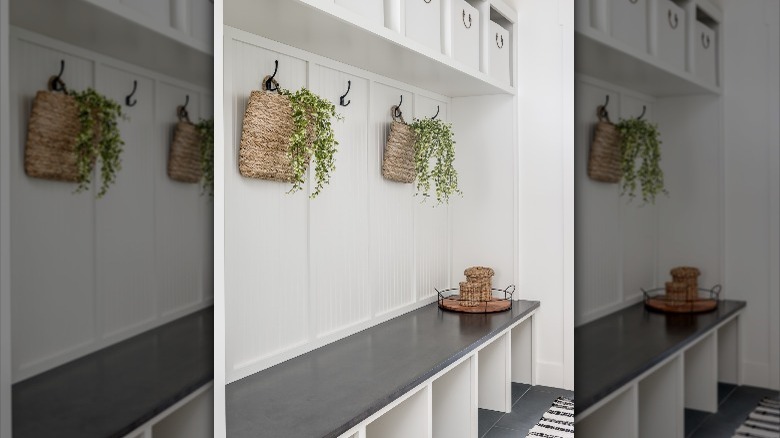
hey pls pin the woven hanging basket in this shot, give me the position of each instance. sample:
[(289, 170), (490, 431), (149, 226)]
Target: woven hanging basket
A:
[(605, 159), (398, 159), (265, 136), (184, 156), (50, 150)]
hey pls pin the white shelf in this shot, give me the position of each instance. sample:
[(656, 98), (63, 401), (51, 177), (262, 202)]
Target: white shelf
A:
[(602, 57), (119, 32), (338, 33)]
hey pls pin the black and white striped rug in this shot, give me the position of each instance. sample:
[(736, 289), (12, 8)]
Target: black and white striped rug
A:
[(763, 422), (557, 422)]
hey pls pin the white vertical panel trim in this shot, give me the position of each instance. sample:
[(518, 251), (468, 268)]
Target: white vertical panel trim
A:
[(5, 228)]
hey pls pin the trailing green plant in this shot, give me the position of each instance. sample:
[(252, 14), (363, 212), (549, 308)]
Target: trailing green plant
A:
[(433, 140), (98, 138), (640, 142), (312, 136), (205, 130)]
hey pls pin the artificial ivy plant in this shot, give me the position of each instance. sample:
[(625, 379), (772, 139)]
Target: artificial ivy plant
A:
[(433, 140), (640, 143), (312, 136), (205, 130), (98, 138)]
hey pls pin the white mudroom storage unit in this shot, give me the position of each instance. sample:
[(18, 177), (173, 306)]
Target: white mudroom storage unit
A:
[(94, 279), (367, 253), (668, 67)]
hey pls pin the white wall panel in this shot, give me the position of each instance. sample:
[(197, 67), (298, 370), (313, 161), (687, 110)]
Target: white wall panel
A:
[(124, 221), (616, 237), (482, 220), (266, 230), (338, 223), (89, 272), (52, 237), (391, 210), (179, 216), (639, 222), (691, 217), (344, 261), (431, 223), (597, 212)]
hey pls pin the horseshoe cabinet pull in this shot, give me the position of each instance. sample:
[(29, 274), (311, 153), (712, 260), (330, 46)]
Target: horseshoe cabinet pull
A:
[(500, 46), (676, 20), (427, 1), (633, 1), (705, 40), (468, 26)]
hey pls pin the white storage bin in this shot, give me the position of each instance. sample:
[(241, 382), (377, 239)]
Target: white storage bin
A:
[(628, 19), (423, 22), (465, 33), (372, 10), (498, 41), (705, 52), (671, 34)]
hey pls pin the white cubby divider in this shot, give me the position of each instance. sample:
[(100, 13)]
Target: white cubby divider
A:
[(701, 374), (495, 387), (728, 352), (410, 418), (454, 412), (618, 417), (661, 395)]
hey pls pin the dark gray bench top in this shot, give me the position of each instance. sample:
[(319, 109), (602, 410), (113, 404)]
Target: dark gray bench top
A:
[(113, 391), (615, 349), (329, 390)]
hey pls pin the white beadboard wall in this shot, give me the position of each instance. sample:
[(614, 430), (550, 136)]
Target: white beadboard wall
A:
[(615, 239), (364, 251), (91, 272)]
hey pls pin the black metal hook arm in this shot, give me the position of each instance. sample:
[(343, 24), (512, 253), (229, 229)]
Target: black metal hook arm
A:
[(269, 83), (398, 112), (56, 83), (341, 99), (644, 109), (128, 98), (437, 113)]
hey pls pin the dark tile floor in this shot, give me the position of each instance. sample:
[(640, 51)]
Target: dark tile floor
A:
[(529, 403), (735, 405)]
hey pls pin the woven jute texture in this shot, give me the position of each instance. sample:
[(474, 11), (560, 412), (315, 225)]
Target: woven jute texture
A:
[(676, 291), (50, 150), (184, 156), (689, 276), (398, 159), (605, 161), (470, 293)]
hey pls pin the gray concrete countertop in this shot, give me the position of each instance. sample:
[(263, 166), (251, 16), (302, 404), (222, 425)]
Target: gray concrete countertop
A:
[(113, 391)]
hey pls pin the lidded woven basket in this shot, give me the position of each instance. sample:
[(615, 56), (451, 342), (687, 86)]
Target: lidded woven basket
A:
[(676, 292), (50, 150), (398, 159), (605, 158), (264, 152), (687, 275), (184, 162)]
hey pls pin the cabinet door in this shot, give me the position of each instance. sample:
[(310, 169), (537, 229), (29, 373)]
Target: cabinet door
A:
[(202, 21), (158, 11), (671, 34), (372, 10), (629, 23), (423, 22)]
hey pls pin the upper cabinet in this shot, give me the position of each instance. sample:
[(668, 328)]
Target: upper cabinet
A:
[(451, 47), (659, 47), (174, 37)]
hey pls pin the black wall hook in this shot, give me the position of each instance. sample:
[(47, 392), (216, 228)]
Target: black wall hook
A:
[(644, 109), (437, 113), (129, 102), (182, 110), (55, 82), (602, 109), (341, 99), (398, 112), (269, 83)]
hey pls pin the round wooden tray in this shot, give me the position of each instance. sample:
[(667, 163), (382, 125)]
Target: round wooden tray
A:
[(453, 303), (664, 304)]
